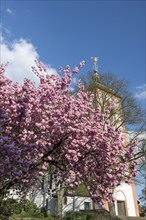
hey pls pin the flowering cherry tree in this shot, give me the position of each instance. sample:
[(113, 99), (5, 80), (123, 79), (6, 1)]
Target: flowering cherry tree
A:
[(47, 125)]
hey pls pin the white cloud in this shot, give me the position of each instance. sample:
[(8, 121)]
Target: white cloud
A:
[(10, 11), (20, 55), (141, 92)]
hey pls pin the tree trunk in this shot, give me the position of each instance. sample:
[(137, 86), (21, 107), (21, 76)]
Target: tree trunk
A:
[(60, 194), (43, 192)]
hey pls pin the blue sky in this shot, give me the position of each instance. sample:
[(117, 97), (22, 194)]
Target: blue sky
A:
[(67, 32)]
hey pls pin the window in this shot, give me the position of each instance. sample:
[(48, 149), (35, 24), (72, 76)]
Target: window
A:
[(121, 208), (87, 205)]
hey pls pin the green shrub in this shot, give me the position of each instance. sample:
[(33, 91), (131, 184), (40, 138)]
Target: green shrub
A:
[(31, 214), (2, 217), (35, 214), (44, 211), (76, 215), (28, 206), (12, 207), (49, 217), (90, 216), (9, 207), (72, 215)]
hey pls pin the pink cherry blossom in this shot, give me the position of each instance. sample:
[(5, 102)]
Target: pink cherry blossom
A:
[(46, 127)]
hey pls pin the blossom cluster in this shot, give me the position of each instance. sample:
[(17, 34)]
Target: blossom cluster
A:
[(47, 125)]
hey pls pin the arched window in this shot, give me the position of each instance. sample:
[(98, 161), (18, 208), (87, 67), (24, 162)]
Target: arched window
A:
[(121, 203)]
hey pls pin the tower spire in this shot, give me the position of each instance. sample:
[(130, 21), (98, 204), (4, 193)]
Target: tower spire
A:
[(95, 66)]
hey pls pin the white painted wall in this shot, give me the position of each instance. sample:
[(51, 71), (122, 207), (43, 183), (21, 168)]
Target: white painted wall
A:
[(38, 199), (78, 203)]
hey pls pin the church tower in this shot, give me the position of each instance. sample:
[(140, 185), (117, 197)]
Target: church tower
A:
[(125, 195)]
